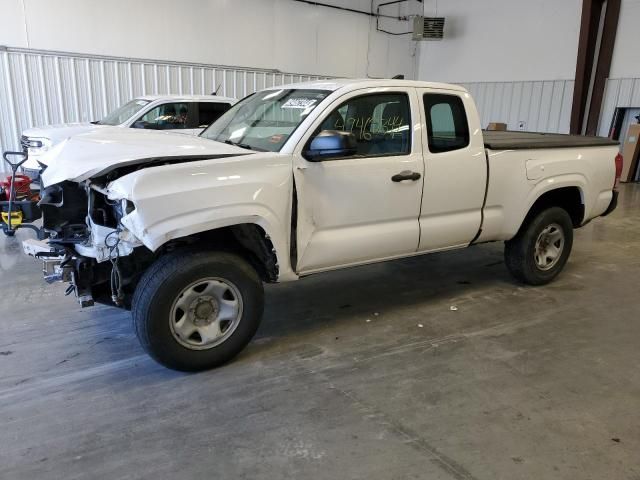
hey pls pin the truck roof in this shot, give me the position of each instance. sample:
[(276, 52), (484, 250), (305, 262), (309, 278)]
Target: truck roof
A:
[(355, 83), (191, 98)]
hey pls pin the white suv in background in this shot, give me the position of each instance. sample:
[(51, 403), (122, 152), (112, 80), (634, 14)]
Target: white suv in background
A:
[(186, 114)]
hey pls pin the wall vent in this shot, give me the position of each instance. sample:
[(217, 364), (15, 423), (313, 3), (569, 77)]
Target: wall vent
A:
[(428, 28)]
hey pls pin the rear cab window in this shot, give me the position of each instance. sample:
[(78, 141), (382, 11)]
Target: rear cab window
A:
[(447, 125), (209, 112)]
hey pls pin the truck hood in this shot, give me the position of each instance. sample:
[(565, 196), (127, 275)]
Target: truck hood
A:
[(60, 132), (95, 153)]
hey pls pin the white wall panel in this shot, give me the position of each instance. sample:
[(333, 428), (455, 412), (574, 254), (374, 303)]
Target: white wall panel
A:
[(626, 56), (41, 88), (504, 40), (619, 93), (266, 34), (544, 106)]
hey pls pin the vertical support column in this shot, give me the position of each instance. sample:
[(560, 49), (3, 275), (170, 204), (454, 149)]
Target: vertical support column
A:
[(595, 50), (584, 62), (603, 66)]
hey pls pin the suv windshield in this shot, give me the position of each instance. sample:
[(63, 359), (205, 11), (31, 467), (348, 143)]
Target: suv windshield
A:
[(263, 121), (123, 113)]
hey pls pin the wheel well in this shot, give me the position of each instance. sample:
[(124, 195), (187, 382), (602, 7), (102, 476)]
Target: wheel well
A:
[(248, 240), (568, 198)]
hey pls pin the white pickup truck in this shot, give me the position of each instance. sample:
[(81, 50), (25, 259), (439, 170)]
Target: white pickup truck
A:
[(186, 114), (297, 180)]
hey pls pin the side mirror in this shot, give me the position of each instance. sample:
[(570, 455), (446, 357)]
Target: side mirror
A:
[(331, 144), (139, 124)]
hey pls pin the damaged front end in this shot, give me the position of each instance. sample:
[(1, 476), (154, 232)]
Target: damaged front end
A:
[(87, 245), (94, 233)]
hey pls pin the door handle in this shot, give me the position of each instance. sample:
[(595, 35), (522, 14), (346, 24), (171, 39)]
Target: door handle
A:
[(406, 175)]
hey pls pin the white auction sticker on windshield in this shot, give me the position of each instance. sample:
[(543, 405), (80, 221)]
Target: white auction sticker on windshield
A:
[(301, 103)]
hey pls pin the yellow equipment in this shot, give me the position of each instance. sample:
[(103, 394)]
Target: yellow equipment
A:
[(16, 218)]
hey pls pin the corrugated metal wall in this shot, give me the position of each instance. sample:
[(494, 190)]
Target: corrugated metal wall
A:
[(41, 88), (619, 92), (543, 106)]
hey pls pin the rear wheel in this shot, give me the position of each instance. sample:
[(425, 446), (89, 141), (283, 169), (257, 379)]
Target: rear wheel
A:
[(197, 310), (540, 250)]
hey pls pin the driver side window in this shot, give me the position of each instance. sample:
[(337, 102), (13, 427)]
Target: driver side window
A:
[(168, 116), (379, 122)]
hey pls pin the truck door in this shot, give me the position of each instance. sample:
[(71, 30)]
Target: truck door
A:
[(455, 170), (363, 207)]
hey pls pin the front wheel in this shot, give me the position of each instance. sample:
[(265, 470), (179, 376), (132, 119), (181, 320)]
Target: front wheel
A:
[(195, 310), (540, 250)]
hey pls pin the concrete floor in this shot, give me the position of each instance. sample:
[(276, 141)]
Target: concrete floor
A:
[(360, 374)]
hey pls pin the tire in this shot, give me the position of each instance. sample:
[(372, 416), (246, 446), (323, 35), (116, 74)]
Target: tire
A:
[(182, 291), (526, 256)]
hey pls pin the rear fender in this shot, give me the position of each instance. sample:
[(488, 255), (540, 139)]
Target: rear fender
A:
[(545, 186)]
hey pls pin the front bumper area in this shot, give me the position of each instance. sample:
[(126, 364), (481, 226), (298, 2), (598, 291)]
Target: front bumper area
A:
[(87, 246), (37, 248), (60, 266)]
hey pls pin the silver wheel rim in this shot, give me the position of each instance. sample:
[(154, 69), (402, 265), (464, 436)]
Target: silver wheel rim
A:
[(205, 313), (549, 246)]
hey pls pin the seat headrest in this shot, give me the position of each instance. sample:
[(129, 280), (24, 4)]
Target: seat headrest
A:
[(394, 110)]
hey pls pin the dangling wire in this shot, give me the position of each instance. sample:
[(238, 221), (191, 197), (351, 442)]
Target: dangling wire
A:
[(114, 256)]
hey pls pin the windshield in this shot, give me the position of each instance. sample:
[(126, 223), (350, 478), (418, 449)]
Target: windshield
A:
[(125, 112), (264, 120)]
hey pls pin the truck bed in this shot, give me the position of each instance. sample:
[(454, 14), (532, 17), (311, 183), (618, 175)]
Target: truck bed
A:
[(509, 140)]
